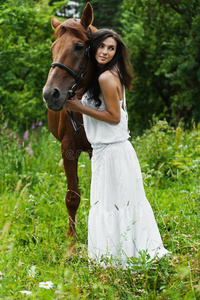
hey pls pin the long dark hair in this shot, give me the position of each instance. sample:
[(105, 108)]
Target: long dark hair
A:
[(120, 61)]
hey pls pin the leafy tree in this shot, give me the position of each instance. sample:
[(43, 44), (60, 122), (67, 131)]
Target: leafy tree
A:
[(106, 13), (66, 9), (164, 39), (25, 38)]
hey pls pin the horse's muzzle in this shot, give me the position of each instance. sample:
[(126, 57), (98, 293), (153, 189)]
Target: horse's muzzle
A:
[(54, 99)]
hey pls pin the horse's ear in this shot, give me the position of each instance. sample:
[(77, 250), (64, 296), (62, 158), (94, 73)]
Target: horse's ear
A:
[(54, 22), (87, 15)]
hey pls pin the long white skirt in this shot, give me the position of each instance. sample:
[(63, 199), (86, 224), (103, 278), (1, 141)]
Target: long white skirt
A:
[(121, 220)]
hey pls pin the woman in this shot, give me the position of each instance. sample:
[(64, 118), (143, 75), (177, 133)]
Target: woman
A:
[(121, 221)]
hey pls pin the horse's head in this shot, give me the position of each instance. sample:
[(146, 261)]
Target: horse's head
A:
[(71, 68)]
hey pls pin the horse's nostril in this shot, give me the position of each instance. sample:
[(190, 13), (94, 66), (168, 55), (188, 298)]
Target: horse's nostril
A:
[(56, 94)]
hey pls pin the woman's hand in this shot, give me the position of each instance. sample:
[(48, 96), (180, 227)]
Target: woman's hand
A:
[(109, 85), (74, 104)]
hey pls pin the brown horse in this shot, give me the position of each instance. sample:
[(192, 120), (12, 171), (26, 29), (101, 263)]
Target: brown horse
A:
[(71, 70)]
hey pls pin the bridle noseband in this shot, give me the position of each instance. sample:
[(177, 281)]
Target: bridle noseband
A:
[(78, 78)]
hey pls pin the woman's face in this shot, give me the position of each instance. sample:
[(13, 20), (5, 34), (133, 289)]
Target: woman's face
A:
[(106, 51)]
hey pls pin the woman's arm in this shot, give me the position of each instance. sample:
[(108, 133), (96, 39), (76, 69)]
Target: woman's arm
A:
[(109, 88)]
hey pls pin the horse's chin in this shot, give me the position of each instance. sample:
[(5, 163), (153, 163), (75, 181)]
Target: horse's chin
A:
[(55, 107)]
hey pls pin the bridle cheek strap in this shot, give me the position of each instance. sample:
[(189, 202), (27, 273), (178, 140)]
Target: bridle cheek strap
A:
[(78, 80)]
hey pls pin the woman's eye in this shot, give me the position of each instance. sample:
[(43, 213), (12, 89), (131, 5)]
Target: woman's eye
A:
[(78, 47), (111, 48), (100, 46)]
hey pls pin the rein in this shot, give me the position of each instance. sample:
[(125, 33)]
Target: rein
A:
[(73, 90)]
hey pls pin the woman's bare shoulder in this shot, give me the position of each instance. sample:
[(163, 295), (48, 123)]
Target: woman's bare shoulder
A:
[(108, 78)]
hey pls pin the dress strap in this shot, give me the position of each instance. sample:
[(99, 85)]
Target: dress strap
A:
[(124, 102)]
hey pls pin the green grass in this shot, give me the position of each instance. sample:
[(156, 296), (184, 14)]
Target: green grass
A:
[(34, 221)]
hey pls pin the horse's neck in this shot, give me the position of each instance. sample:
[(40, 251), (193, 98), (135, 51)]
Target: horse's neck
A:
[(92, 29), (80, 92)]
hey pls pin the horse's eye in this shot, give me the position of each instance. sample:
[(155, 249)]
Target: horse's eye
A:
[(78, 46)]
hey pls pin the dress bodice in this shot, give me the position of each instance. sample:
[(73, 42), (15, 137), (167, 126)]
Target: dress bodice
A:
[(99, 132)]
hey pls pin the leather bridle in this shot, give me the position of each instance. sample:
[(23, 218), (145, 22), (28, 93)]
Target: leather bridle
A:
[(78, 78)]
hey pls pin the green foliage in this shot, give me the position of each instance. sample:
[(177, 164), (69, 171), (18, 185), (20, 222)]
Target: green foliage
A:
[(106, 13), (25, 37), (169, 154), (34, 220), (164, 39), (10, 156)]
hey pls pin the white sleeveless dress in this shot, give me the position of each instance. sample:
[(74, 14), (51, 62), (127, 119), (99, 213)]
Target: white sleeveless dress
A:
[(121, 221)]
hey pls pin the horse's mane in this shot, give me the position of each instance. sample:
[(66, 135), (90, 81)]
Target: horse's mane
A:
[(72, 25)]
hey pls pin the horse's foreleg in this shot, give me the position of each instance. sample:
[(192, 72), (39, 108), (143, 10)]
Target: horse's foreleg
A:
[(70, 159)]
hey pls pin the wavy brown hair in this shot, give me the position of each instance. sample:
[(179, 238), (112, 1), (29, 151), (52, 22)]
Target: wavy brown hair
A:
[(120, 61)]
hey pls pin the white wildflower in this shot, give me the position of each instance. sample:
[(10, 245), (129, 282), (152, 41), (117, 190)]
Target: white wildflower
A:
[(26, 293), (1, 276), (46, 285)]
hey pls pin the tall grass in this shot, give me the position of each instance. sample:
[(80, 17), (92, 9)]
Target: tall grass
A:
[(34, 220)]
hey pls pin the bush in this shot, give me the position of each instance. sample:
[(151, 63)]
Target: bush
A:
[(167, 153), (25, 37)]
